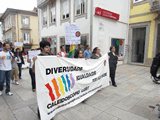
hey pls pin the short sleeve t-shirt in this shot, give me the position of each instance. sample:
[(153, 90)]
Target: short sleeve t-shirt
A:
[(31, 63), (19, 60), (63, 55), (87, 54), (5, 61)]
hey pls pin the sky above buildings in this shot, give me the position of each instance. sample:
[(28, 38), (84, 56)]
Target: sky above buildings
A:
[(17, 4)]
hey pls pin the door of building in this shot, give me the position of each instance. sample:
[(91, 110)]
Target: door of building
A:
[(158, 39), (138, 41)]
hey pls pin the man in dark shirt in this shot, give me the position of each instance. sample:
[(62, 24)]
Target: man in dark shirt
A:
[(45, 51)]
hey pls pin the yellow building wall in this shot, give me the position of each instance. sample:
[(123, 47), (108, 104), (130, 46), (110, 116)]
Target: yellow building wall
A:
[(140, 9), (34, 31), (18, 28), (34, 35)]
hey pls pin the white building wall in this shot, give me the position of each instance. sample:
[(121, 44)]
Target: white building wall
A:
[(59, 30), (112, 29)]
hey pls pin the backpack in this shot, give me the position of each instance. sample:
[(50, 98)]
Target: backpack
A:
[(155, 66)]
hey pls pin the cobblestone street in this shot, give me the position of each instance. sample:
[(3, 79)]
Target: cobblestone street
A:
[(129, 101)]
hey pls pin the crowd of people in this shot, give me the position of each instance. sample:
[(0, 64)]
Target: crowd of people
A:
[(11, 61)]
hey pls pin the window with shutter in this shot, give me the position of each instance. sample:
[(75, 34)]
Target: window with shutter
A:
[(65, 9), (80, 7)]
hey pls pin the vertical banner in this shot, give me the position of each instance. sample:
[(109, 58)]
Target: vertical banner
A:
[(73, 34), (66, 82)]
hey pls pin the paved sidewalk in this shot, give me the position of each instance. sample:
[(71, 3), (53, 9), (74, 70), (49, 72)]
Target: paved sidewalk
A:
[(129, 101)]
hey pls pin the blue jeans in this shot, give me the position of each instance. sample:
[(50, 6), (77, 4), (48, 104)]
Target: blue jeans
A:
[(3, 75)]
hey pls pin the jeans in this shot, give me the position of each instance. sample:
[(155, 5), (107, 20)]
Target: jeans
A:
[(112, 74), (3, 75), (32, 78), (20, 69)]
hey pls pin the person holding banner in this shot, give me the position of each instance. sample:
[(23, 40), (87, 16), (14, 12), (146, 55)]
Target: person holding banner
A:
[(87, 52), (32, 74), (80, 54), (45, 49), (5, 68), (96, 53), (62, 53), (113, 64), (77, 51)]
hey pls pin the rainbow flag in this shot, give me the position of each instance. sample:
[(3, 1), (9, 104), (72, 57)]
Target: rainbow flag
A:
[(72, 51)]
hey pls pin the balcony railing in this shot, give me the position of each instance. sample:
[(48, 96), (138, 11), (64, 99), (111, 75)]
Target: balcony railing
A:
[(155, 5)]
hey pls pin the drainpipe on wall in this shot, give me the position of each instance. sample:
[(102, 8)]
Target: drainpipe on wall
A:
[(127, 35), (91, 24), (18, 28)]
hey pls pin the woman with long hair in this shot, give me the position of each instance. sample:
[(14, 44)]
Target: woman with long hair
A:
[(96, 53), (79, 54)]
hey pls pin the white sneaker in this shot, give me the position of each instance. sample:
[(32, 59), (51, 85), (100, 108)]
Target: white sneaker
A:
[(9, 93), (5, 84), (0, 93), (16, 83)]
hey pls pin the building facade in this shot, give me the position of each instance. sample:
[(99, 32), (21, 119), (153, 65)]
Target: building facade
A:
[(144, 31), (1, 35), (20, 26), (97, 30)]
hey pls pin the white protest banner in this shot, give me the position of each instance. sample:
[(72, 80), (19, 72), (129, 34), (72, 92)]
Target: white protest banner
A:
[(33, 53), (73, 34), (18, 44), (64, 82), (26, 65)]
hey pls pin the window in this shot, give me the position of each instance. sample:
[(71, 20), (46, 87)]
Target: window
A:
[(67, 47), (26, 38), (52, 41), (83, 42), (53, 45), (135, 1), (80, 7), (25, 20), (53, 14), (119, 45), (8, 22), (65, 9), (44, 17), (8, 37)]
